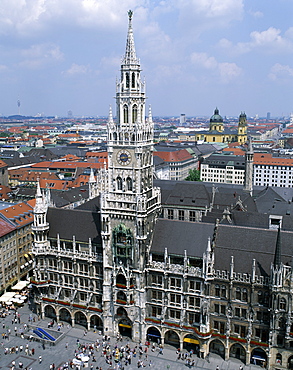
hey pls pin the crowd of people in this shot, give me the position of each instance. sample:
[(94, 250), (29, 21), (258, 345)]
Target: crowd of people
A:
[(111, 353)]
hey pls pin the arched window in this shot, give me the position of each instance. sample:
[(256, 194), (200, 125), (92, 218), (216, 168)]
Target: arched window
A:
[(244, 295), (134, 113), (217, 290), (279, 359), (238, 293), (127, 80), (119, 183), (115, 136), (133, 80), (223, 291), (121, 298), (125, 114), (260, 297), (282, 323), (282, 304), (122, 243), (121, 281), (266, 299), (129, 184)]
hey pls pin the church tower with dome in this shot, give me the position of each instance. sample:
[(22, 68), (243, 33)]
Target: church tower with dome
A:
[(216, 122), (217, 132)]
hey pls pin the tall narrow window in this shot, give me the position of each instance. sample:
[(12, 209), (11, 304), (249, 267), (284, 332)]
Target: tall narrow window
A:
[(282, 304), (127, 80), (119, 183), (133, 80), (125, 113), (134, 114), (129, 184)]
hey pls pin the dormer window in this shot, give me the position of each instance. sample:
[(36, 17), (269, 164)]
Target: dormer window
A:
[(275, 221)]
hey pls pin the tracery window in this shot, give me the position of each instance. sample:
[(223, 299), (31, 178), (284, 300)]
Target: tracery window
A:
[(217, 290), (133, 80), (123, 243), (127, 80), (134, 113), (125, 113), (119, 183), (282, 304), (129, 183)]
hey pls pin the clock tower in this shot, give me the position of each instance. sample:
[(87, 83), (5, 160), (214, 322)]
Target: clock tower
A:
[(129, 203)]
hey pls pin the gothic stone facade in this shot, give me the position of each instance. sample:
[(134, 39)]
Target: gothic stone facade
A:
[(113, 265)]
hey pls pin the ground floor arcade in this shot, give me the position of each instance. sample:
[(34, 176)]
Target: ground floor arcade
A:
[(202, 345)]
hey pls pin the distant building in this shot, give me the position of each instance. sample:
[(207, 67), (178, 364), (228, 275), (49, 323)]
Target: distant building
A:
[(219, 134), (182, 119), (270, 170), (179, 162), (3, 173), (16, 249), (223, 168)]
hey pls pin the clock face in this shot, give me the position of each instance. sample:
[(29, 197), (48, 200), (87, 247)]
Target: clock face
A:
[(124, 157)]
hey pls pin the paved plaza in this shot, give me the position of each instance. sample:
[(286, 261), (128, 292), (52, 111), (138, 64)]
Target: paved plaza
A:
[(72, 338)]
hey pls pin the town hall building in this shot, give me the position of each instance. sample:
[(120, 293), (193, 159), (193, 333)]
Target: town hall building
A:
[(178, 263)]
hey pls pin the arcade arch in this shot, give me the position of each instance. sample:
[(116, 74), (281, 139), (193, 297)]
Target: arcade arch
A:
[(172, 338), (153, 335), (80, 319), (50, 312), (258, 357), (238, 351), (96, 322), (216, 346), (191, 343), (64, 315)]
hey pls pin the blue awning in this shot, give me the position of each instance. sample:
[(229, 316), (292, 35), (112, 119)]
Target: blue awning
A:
[(256, 357)]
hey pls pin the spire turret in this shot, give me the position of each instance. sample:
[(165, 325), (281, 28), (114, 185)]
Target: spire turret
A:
[(248, 178), (130, 54)]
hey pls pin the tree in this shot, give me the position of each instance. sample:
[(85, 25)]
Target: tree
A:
[(194, 175)]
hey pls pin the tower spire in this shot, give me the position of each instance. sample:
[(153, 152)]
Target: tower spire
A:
[(248, 178), (130, 54)]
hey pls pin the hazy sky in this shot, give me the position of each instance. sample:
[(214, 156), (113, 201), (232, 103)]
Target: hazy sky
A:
[(60, 55)]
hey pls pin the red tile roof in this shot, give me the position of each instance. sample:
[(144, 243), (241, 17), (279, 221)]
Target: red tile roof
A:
[(66, 165), (175, 156), (4, 191), (70, 157), (23, 175), (268, 159), (2, 164), (20, 214), (5, 227), (235, 151), (55, 184)]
